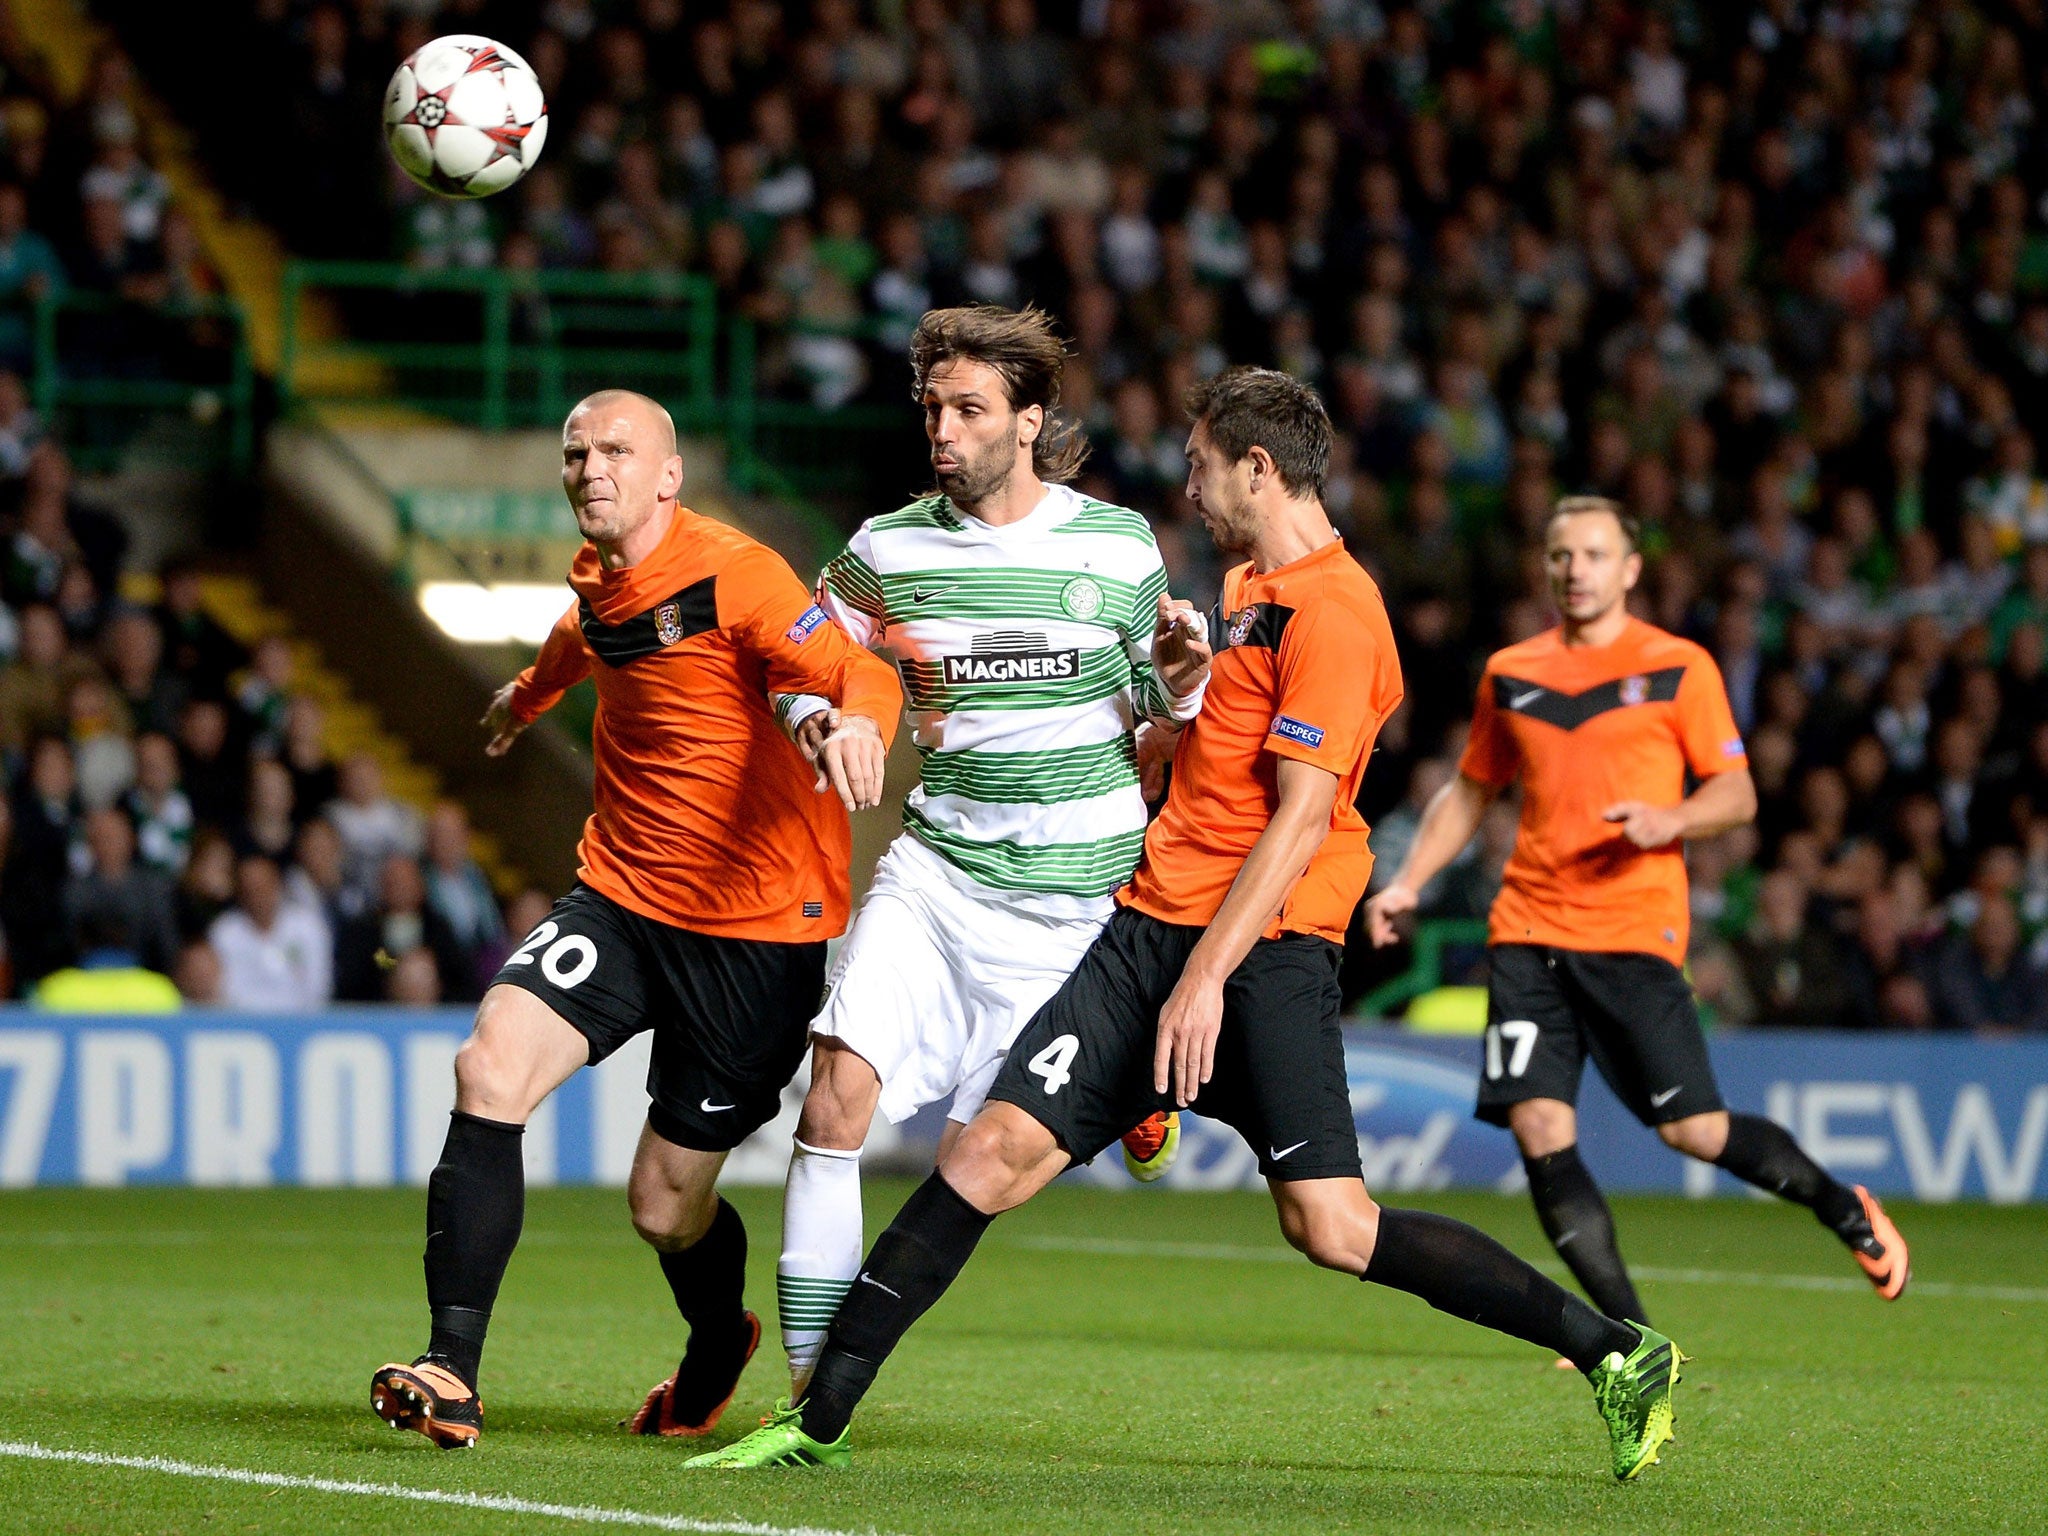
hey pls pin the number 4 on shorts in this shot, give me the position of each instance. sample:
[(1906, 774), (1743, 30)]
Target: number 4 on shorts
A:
[(1052, 1062)]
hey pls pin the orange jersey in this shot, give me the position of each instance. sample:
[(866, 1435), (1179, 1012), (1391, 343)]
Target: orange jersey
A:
[(1305, 668), (705, 814), (1586, 727)]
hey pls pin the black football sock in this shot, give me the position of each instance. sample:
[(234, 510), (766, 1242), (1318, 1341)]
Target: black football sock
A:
[(708, 1279), (1763, 1153), (1460, 1270), (476, 1203), (1581, 1228), (908, 1269)]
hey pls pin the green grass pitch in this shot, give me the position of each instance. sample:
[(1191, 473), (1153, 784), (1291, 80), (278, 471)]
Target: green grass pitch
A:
[(1108, 1363)]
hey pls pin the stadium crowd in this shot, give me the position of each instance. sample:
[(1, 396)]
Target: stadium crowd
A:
[(175, 808), (171, 803), (1776, 275)]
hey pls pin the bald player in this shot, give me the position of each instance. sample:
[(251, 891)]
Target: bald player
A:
[(1604, 719), (713, 870)]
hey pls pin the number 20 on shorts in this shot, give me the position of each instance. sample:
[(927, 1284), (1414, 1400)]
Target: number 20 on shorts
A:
[(565, 962)]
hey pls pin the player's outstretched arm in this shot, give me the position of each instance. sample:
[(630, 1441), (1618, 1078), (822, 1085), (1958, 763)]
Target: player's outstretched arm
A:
[(1722, 802), (1185, 1053), (1448, 822), (764, 607), (562, 663)]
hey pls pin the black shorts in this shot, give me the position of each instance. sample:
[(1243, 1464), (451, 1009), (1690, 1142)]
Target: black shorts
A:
[(1548, 1009), (1082, 1067), (731, 1017)]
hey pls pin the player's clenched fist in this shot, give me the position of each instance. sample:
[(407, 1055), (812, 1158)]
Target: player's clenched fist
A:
[(503, 725), (1381, 911), (1647, 826), (1180, 646)]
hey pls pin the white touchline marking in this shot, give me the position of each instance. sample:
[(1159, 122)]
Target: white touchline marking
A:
[(499, 1503), (1245, 1254)]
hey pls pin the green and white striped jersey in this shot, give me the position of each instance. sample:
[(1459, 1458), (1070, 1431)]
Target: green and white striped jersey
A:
[(1026, 656)]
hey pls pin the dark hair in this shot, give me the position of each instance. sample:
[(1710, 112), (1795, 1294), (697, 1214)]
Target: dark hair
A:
[(1026, 353), (1244, 408), (1572, 506)]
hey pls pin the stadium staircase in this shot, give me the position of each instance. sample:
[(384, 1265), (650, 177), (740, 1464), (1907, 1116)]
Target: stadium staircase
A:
[(237, 604)]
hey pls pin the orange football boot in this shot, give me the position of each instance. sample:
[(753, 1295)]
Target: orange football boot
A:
[(428, 1398), (657, 1414), (1891, 1266)]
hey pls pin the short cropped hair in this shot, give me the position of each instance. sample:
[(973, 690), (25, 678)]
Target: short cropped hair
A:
[(1026, 353), (1572, 506), (1246, 408)]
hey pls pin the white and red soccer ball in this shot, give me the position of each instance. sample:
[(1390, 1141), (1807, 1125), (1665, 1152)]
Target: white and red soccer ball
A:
[(465, 116)]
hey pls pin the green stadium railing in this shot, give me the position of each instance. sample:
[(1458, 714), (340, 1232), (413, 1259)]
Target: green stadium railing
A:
[(1426, 963), (496, 349), (108, 390)]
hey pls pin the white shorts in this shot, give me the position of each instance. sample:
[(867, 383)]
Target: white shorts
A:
[(936, 979)]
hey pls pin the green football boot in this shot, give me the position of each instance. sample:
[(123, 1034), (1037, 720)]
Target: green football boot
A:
[(1634, 1397), (779, 1442)]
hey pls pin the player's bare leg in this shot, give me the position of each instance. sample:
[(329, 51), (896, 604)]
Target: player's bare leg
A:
[(822, 1236), (703, 1250), (1763, 1153), (1574, 1213), (518, 1053)]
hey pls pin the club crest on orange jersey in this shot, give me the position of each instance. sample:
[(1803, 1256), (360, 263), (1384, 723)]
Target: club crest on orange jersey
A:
[(668, 623), (1634, 689), (1241, 624)]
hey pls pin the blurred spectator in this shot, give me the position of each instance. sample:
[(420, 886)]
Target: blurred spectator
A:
[(207, 887), (100, 746), (399, 922), (274, 956), (315, 878), (315, 780), (195, 647), (268, 826), (159, 808), (153, 695), (1984, 980), (116, 895), (109, 977), (198, 975), (415, 979), (459, 892), (1793, 967), (29, 269), (45, 818), (209, 767), (373, 825), (264, 697), (33, 690)]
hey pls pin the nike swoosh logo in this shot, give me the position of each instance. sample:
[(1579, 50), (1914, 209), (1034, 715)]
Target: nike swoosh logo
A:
[(926, 594), (1567, 1237), (1523, 700), (868, 1279), (1659, 1100), (710, 1108), (1277, 1155)]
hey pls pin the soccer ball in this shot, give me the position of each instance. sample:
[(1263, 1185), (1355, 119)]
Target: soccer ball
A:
[(465, 117)]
